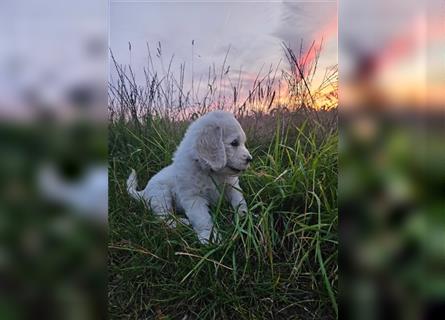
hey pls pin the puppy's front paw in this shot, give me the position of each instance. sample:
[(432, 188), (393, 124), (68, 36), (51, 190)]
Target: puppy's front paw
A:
[(204, 236), (242, 210), (209, 236)]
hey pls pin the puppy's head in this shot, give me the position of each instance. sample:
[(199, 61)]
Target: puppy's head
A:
[(220, 143)]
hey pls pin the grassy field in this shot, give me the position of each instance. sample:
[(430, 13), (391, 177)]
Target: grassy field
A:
[(278, 262)]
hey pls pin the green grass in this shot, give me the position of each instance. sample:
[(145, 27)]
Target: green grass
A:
[(279, 262)]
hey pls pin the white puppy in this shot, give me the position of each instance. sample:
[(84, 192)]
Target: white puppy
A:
[(209, 160)]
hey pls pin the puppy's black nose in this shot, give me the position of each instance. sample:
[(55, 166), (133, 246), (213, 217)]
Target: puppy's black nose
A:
[(249, 159)]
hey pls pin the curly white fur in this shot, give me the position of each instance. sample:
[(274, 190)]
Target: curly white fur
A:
[(210, 157)]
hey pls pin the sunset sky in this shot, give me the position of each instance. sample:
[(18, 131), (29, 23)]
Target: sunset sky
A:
[(406, 47), (405, 37), (46, 48), (254, 31)]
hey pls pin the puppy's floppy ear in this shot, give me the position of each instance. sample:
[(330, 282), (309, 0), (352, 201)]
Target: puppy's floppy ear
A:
[(210, 147)]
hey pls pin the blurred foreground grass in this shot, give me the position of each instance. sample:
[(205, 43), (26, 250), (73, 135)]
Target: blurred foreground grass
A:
[(392, 213), (52, 257)]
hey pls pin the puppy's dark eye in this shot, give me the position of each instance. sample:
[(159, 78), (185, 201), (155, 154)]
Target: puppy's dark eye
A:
[(234, 143)]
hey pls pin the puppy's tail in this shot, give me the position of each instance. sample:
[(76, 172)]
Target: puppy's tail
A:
[(132, 184)]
